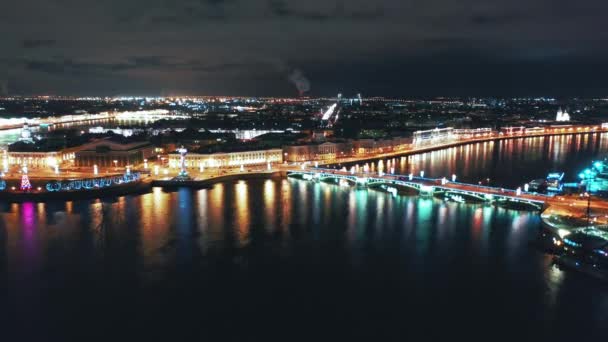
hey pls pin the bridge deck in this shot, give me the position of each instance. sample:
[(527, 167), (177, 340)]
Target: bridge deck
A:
[(441, 184)]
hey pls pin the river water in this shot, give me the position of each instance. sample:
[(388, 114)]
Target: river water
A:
[(291, 259)]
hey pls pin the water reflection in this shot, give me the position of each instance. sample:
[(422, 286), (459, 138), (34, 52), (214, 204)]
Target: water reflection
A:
[(510, 162), (259, 235)]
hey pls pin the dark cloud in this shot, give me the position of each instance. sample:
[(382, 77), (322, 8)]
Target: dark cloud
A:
[(37, 43), (66, 66), (281, 9), (179, 13), (243, 47)]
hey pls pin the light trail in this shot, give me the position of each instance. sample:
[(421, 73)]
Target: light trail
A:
[(330, 111)]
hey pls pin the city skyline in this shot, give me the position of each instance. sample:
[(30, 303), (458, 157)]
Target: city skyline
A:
[(283, 48)]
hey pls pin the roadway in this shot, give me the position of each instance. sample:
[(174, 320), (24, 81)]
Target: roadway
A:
[(568, 205)]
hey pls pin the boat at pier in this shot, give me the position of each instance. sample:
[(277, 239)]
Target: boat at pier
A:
[(585, 251)]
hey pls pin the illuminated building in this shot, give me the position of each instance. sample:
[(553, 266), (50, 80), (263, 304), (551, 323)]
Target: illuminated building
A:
[(26, 134), (433, 136), (28, 154), (562, 115), (227, 159), (116, 151), (35, 159)]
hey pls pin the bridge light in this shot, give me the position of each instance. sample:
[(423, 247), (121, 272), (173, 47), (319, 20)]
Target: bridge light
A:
[(453, 178), (421, 174), (361, 180), (411, 176), (518, 192), (526, 187), (443, 181)]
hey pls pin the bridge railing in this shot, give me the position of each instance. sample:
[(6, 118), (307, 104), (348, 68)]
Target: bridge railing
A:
[(401, 177)]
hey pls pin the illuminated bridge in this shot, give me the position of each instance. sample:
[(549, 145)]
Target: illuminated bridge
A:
[(456, 191)]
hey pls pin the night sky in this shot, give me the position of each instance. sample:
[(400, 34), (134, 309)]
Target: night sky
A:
[(263, 48)]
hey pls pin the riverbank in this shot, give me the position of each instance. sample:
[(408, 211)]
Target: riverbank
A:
[(137, 187), (405, 153), (169, 184), (39, 194)]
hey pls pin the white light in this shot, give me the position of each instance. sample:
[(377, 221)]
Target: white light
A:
[(329, 112), (95, 170), (56, 169), (201, 167), (242, 168), (269, 166), (156, 170), (526, 187), (453, 178), (411, 176), (421, 174), (518, 191), (562, 233)]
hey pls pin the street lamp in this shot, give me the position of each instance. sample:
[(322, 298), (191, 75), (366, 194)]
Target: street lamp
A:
[(586, 194)]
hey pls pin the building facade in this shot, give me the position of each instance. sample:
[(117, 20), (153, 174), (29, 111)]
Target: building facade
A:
[(110, 153), (228, 159)]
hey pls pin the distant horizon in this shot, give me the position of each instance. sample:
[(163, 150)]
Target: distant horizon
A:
[(304, 97)]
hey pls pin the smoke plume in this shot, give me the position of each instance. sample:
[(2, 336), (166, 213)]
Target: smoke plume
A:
[(297, 77)]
